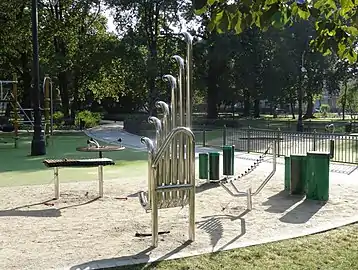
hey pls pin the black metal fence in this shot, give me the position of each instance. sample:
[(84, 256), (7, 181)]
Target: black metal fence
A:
[(343, 147)]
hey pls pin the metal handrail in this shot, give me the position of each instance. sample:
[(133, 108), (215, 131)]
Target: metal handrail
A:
[(168, 140)]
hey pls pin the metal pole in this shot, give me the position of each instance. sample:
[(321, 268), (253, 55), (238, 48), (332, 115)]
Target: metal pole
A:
[(15, 108), (300, 96), (57, 184), (38, 145), (100, 181)]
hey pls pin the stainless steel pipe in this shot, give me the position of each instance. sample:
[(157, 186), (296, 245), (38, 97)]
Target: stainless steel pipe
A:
[(171, 161)]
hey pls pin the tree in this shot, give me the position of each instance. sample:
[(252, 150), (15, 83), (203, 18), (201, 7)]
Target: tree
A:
[(149, 23), (348, 98), (336, 23)]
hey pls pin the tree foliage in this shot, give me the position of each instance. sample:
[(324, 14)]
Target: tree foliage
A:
[(336, 22)]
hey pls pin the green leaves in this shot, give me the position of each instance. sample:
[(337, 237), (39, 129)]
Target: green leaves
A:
[(346, 6), (336, 27)]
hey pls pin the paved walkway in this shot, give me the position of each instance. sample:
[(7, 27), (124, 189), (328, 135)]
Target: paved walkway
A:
[(110, 132)]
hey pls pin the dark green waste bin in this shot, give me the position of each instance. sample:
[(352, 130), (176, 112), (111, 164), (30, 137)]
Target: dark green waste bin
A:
[(203, 165), (318, 176), (228, 160), (233, 159), (214, 166), (298, 174), (287, 173)]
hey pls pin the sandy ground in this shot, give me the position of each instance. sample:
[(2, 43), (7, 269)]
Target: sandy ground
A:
[(80, 231)]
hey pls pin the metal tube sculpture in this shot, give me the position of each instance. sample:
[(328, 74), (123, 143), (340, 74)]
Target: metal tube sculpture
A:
[(171, 158)]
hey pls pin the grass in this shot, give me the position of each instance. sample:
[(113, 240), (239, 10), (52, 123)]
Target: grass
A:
[(336, 249), (17, 167)]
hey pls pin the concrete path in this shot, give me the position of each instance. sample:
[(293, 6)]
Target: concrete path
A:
[(110, 132)]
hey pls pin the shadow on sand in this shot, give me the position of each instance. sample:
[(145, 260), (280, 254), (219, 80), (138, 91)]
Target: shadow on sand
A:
[(211, 225), (302, 209), (140, 258), (21, 211)]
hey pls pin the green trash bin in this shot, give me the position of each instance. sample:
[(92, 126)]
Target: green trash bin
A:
[(233, 159), (287, 173), (318, 176), (214, 166), (298, 174), (203, 165), (228, 160)]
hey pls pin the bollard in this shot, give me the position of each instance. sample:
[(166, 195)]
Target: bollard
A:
[(287, 173), (214, 166), (298, 174), (204, 137), (227, 160), (203, 166), (331, 148), (224, 135), (318, 176)]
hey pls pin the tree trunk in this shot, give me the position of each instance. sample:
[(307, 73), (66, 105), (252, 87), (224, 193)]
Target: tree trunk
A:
[(344, 101), (60, 49), (247, 104), (292, 110), (212, 84), (213, 93), (65, 100), (257, 108), (309, 110), (27, 80)]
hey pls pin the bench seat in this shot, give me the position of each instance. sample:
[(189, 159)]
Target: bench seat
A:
[(77, 163)]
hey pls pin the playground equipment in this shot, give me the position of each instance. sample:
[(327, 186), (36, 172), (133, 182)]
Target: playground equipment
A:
[(171, 158), (308, 175), (209, 170), (6, 125), (78, 163), (9, 97), (330, 128)]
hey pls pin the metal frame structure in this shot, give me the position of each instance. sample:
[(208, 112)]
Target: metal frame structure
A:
[(5, 98), (11, 96), (171, 158), (249, 194)]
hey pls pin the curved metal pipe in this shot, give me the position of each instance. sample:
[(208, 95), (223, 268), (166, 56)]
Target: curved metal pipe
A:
[(179, 60), (143, 200), (164, 106), (187, 37), (268, 178), (171, 79), (165, 121), (158, 128), (189, 77), (168, 140), (149, 144), (154, 120), (93, 142)]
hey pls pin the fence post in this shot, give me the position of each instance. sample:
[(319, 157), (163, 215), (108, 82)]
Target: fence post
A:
[(248, 139), (204, 136), (224, 135), (278, 141), (314, 139)]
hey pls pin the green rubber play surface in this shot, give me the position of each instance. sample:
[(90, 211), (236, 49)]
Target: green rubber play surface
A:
[(17, 167)]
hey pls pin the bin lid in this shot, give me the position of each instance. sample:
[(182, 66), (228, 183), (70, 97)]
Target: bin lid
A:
[(298, 155), (318, 153), (214, 154)]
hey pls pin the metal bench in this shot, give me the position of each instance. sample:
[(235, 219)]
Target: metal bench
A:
[(78, 163)]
